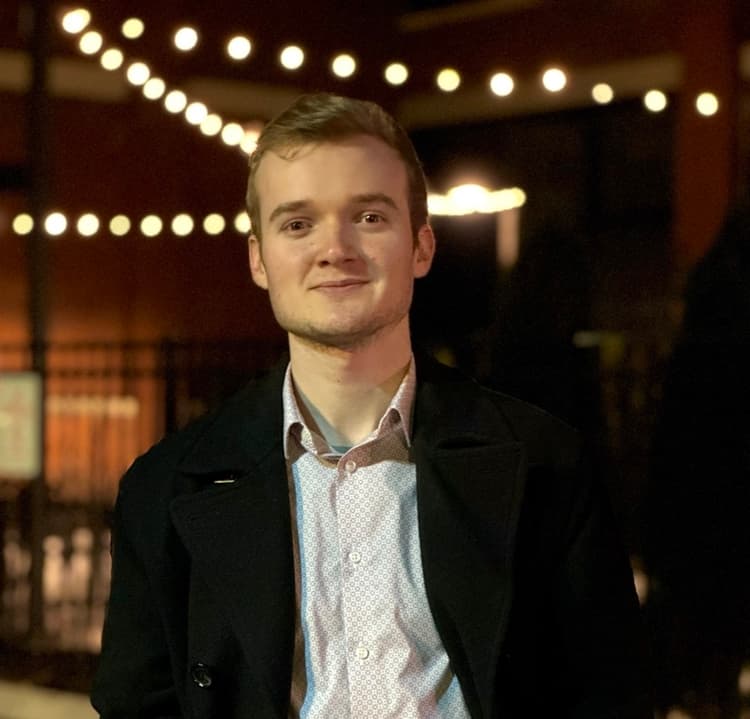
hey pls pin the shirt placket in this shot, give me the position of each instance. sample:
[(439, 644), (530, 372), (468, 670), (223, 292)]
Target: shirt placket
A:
[(356, 497)]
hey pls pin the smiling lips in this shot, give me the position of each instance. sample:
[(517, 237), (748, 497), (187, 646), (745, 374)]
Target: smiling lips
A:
[(342, 284)]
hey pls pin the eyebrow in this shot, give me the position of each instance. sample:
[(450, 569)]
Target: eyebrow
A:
[(361, 199), (286, 207), (374, 197)]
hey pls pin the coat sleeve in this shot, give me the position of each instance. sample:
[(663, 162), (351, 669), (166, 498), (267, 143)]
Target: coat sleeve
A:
[(598, 618), (134, 676)]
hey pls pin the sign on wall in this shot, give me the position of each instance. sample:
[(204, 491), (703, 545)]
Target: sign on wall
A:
[(20, 425)]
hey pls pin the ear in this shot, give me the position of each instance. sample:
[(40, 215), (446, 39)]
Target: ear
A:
[(424, 251), (257, 268)]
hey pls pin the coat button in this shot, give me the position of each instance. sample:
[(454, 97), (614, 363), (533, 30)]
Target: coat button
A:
[(201, 675)]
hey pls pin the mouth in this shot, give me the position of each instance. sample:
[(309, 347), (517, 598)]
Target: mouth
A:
[(340, 284)]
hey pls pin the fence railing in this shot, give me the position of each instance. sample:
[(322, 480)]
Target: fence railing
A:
[(104, 405)]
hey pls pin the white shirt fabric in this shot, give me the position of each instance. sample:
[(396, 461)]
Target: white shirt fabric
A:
[(366, 646)]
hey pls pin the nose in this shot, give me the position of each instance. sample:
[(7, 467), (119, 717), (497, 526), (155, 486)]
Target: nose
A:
[(338, 244)]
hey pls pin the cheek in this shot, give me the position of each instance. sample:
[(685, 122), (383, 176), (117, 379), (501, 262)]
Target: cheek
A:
[(285, 271)]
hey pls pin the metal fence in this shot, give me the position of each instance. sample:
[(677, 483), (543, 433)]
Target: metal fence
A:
[(104, 404)]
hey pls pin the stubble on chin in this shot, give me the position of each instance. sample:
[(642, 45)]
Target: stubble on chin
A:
[(334, 340), (346, 337)]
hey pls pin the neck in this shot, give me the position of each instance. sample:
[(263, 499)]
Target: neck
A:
[(344, 392)]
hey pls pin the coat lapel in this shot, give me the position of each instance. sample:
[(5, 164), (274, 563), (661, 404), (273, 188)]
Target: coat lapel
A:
[(236, 527), (470, 477), (470, 474)]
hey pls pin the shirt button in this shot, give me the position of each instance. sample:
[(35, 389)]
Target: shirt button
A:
[(362, 652), (355, 557), (350, 465), (201, 675)]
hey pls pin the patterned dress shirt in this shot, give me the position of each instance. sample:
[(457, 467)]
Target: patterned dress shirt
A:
[(366, 645)]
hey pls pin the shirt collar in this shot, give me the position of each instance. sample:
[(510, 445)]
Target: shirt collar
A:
[(397, 416)]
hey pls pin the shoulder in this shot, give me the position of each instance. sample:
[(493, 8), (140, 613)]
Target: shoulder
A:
[(214, 440), (449, 397)]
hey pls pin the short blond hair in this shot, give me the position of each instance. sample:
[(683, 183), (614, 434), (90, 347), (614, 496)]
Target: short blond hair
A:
[(323, 117)]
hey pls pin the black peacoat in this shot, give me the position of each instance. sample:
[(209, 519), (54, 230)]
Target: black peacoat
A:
[(528, 584)]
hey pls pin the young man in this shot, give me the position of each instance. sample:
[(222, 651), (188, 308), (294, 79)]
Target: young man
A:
[(359, 534)]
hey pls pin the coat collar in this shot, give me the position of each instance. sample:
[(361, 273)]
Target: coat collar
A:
[(242, 432)]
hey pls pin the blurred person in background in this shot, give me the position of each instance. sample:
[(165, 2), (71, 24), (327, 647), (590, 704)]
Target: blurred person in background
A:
[(697, 542)]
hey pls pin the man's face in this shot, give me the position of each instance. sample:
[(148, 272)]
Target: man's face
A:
[(338, 256)]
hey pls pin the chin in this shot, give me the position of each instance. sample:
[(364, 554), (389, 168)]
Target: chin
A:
[(344, 333), (346, 338)]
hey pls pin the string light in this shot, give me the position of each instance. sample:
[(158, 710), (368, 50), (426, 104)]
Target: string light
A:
[(554, 79), (396, 73), (212, 125), (132, 28), (250, 141), (214, 224), (76, 21), (292, 57), (55, 224), (91, 42), (501, 83), (87, 225), (119, 225), (151, 225), (154, 88), (655, 100), (232, 134), (602, 93), (23, 224), (175, 101), (448, 79), (182, 225), (186, 38), (242, 223), (138, 73), (707, 104), (111, 59), (343, 65), (239, 47), (196, 113)]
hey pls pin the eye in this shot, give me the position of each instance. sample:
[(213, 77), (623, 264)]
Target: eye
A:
[(296, 227), (371, 218)]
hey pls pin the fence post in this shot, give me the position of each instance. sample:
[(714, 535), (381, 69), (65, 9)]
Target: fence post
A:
[(38, 161), (169, 349)]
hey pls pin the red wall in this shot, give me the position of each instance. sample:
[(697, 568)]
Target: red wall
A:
[(132, 287)]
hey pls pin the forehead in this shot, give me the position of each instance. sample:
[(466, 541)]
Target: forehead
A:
[(355, 165)]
